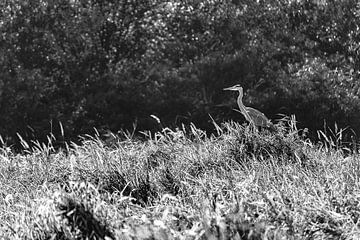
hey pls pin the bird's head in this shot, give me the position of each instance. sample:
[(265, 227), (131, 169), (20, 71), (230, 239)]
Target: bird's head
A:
[(236, 87)]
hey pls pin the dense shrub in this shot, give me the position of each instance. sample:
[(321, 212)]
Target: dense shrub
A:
[(108, 64)]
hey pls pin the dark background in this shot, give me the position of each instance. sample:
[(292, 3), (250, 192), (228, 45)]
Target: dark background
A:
[(110, 64)]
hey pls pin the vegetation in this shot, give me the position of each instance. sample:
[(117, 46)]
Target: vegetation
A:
[(183, 184), (68, 67), (108, 64)]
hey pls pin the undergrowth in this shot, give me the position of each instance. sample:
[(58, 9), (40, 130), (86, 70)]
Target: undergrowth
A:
[(183, 184)]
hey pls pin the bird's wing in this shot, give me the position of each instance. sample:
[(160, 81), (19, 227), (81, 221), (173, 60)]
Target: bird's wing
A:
[(258, 117), (255, 112)]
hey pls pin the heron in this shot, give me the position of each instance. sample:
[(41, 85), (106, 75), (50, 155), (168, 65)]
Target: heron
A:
[(254, 116)]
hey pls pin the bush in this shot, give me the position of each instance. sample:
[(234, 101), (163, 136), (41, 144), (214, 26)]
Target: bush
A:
[(108, 64)]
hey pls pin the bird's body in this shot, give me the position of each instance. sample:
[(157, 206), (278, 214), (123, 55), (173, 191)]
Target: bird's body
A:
[(254, 116)]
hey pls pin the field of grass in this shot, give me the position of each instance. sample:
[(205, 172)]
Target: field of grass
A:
[(183, 184)]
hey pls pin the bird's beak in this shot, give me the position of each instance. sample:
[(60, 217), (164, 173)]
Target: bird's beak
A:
[(230, 89)]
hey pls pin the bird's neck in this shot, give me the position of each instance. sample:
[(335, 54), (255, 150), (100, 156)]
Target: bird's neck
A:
[(241, 105), (243, 109)]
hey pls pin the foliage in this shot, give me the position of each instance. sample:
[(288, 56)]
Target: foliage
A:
[(108, 64), (286, 144)]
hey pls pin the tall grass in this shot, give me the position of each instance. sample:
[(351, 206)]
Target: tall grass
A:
[(182, 184)]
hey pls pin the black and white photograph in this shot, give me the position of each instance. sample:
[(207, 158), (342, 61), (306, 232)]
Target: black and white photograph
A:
[(180, 119)]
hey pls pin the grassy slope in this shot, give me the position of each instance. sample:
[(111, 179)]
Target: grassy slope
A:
[(182, 185)]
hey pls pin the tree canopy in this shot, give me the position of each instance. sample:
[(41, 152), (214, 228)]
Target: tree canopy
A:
[(108, 64)]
